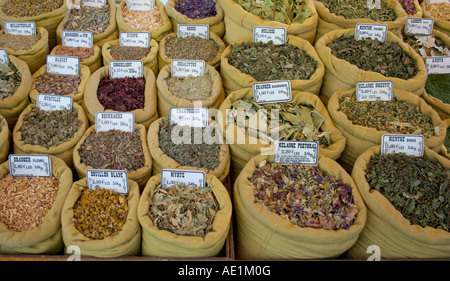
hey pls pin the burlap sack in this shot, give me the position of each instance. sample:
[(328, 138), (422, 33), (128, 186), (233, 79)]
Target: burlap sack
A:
[(5, 141), (360, 138), (262, 234), (156, 34), (150, 61), (162, 243), (126, 242), (46, 238), (215, 23), (234, 79), (243, 147), (441, 25), (329, 22), (444, 151), (85, 73), (140, 176), (63, 151), (164, 60), (167, 100), (387, 228), (239, 23), (11, 107), (342, 75), (144, 116), (37, 55), (109, 34), (49, 21), (163, 161), (94, 62)]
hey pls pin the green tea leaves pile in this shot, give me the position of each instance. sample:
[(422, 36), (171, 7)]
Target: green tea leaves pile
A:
[(287, 12), (357, 9)]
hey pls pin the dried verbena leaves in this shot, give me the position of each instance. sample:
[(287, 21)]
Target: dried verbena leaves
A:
[(191, 88), (304, 195), (24, 202), (99, 213), (83, 53), (10, 79), (357, 9), (183, 210), (57, 84), (284, 11), (191, 48), (19, 42), (30, 8), (94, 19), (128, 52)]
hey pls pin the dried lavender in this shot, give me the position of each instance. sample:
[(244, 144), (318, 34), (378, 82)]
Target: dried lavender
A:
[(196, 9)]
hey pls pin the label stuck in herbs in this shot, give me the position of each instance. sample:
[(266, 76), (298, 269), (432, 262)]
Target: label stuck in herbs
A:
[(183, 68), (188, 177), (129, 68), (419, 26), (20, 28), (373, 91), (186, 30), (134, 39), (373, 31), (4, 56), (63, 65), (30, 165), (189, 116), (140, 5), (53, 102), (297, 152), (76, 39), (276, 91), (409, 144), (94, 3), (265, 34), (115, 180), (438, 65), (123, 121)]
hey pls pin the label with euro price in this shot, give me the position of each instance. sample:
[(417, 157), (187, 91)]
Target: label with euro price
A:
[(53, 102), (4, 56), (135, 39), (106, 121), (402, 143), (199, 30), (189, 116), (63, 65), (273, 91), (171, 177), (438, 65), (75, 39), (27, 165), (20, 28), (126, 68), (115, 180), (184, 68), (375, 90), (140, 5), (265, 34), (297, 152), (373, 31)]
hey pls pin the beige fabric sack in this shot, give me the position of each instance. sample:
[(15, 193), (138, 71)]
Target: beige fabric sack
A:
[(441, 25), (46, 238), (387, 228), (126, 242), (262, 234), (5, 139), (444, 151), (234, 79), (342, 75), (94, 62), (162, 243)]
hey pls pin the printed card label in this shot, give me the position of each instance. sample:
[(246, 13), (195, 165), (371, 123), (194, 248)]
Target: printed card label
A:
[(4, 56), (135, 39), (188, 177), (115, 180), (94, 3), (183, 68), (105, 121), (276, 91), (265, 34), (76, 39), (140, 5), (297, 152), (20, 28), (373, 31), (53, 102), (419, 26), (373, 91), (397, 143), (186, 30), (438, 65), (63, 65), (126, 68), (30, 165), (438, 1), (189, 116)]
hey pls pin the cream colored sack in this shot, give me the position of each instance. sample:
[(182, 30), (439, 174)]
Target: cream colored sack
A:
[(441, 25), (444, 151), (94, 62), (387, 228), (46, 238), (5, 139)]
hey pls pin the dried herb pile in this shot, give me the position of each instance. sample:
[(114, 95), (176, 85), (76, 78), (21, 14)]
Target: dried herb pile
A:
[(128, 52), (183, 210), (267, 61), (191, 88), (191, 48), (438, 86), (447, 140), (196, 9), (417, 187), (397, 116), (304, 195), (30, 8), (426, 45), (56, 84), (100, 213), (144, 20), (113, 149), (87, 18), (83, 53), (10, 79), (24, 202), (19, 42), (441, 11), (283, 11), (386, 58), (121, 94), (357, 9)]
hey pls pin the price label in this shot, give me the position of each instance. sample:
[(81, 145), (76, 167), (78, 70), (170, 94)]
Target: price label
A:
[(409, 144), (438, 1), (438, 65), (189, 116), (187, 177), (297, 152), (186, 30), (373, 31), (183, 68), (419, 26), (126, 68), (63, 65), (135, 39), (76, 39), (20, 28), (140, 5), (53, 102), (30, 165), (105, 121), (373, 91), (4, 56), (275, 91), (94, 3), (265, 34), (115, 180)]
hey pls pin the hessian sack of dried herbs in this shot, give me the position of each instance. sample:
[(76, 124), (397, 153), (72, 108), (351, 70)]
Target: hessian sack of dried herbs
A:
[(445, 151), (439, 13), (94, 62), (5, 135)]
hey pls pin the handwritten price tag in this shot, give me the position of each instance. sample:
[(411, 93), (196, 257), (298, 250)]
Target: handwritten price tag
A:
[(189, 116), (188, 177), (140, 5), (123, 121), (183, 68), (126, 68), (20, 28), (115, 180), (275, 91), (408, 144), (135, 39), (297, 152), (186, 30), (53, 102), (265, 34), (438, 65), (373, 91), (30, 165), (63, 65), (76, 39), (373, 31)]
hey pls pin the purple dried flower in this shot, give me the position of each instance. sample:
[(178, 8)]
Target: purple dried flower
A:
[(196, 9)]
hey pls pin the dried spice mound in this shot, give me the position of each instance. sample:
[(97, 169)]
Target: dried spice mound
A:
[(83, 53), (417, 187), (266, 61), (10, 79), (94, 19), (196, 9), (144, 20), (121, 94), (24, 202), (287, 12), (30, 8), (194, 153), (397, 116), (438, 86), (100, 213), (304, 195), (18, 42), (408, 6), (191, 48), (357, 9), (113, 149), (386, 58), (183, 210), (55, 84), (441, 11), (49, 128), (128, 52), (191, 88)]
